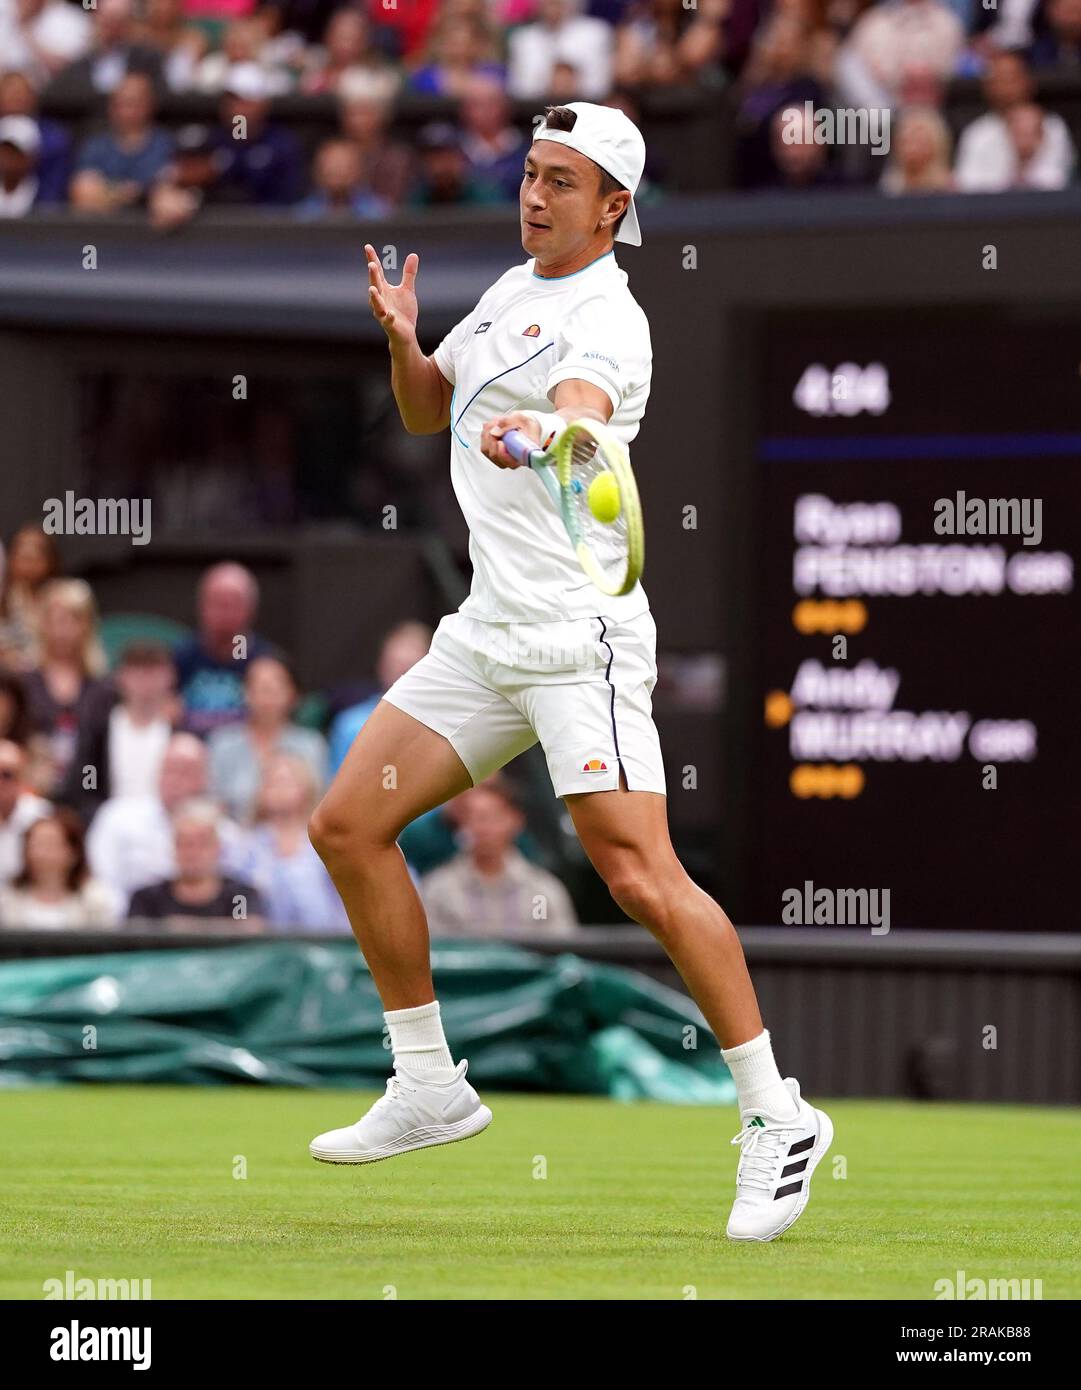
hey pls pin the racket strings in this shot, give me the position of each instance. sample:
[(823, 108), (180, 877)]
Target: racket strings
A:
[(607, 540)]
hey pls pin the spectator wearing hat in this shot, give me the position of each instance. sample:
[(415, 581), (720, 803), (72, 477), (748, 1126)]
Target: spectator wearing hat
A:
[(20, 149), (261, 163), (117, 168), (189, 181), (19, 97), (444, 179)]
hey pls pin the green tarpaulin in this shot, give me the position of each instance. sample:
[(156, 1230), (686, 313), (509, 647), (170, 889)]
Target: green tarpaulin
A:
[(299, 1014)]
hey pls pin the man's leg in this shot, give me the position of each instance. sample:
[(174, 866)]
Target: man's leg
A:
[(626, 836), (396, 770)]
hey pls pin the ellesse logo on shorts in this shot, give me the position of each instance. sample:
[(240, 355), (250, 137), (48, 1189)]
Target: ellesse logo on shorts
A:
[(595, 765)]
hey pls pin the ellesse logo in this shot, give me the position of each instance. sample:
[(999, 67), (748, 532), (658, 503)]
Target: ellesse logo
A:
[(595, 765), (533, 331)]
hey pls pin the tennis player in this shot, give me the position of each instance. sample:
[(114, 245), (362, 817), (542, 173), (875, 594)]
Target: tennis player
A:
[(537, 653)]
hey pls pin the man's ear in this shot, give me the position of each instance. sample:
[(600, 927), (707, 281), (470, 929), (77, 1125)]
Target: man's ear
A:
[(614, 205)]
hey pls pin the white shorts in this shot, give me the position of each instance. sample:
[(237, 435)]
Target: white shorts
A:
[(581, 688)]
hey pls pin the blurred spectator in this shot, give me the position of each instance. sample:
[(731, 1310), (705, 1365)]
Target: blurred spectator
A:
[(444, 179), (211, 664), (19, 809), (665, 42), (189, 181), (123, 736), (495, 150), (67, 681), (560, 34), (1057, 42), (460, 47), (490, 885), (114, 52), (32, 560), (777, 77), (340, 185), (164, 28), (260, 162), (20, 153), (244, 41), (1027, 128), (42, 36), (798, 162), (239, 753), (278, 857), (920, 158), (54, 889), (199, 888), (401, 649), (347, 45), (890, 37), (364, 114), (987, 159), (116, 168), (18, 97), (14, 720), (130, 842), (404, 29)]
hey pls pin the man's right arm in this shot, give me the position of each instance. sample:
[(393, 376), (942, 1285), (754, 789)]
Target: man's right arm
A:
[(420, 388)]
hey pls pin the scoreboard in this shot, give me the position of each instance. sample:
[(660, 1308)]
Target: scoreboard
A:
[(914, 620)]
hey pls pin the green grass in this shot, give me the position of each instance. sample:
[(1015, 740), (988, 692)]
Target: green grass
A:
[(130, 1182)]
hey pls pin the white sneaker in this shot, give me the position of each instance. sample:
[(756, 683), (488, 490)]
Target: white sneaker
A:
[(413, 1114), (778, 1156)]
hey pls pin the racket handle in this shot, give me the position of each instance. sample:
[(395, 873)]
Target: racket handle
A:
[(520, 446)]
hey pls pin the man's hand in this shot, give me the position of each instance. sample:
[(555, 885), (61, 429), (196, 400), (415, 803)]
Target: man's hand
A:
[(394, 307), (492, 433)]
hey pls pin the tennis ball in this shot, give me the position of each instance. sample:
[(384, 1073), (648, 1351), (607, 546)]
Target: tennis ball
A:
[(604, 497)]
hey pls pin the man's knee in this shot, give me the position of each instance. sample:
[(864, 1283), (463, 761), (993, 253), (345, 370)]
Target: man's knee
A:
[(640, 894), (340, 835)]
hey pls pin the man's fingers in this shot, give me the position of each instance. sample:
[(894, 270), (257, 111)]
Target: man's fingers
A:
[(379, 309), (375, 270), (409, 270)]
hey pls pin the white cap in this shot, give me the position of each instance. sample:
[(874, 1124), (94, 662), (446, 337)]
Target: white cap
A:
[(22, 132), (612, 140), (249, 82)]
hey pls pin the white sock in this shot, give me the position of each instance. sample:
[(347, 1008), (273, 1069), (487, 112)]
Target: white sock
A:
[(417, 1041), (758, 1082)]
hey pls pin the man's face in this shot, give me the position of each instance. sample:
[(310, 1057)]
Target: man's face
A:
[(131, 104), (197, 850), (11, 771), (14, 165), (16, 95), (145, 685), (1007, 81), (183, 772), (226, 606), (484, 108), (489, 824), (560, 202)]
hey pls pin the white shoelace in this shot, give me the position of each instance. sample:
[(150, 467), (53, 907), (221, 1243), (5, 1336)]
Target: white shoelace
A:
[(761, 1152)]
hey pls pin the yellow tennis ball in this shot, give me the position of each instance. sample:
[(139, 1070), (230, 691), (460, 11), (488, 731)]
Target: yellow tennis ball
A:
[(604, 497)]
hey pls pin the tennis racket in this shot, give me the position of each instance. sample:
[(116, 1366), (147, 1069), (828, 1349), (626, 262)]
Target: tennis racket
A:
[(588, 472)]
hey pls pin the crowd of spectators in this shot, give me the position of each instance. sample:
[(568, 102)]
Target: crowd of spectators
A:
[(178, 784), (367, 57)]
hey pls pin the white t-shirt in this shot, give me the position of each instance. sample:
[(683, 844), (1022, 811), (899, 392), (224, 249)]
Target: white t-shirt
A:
[(135, 753), (527, 334)]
